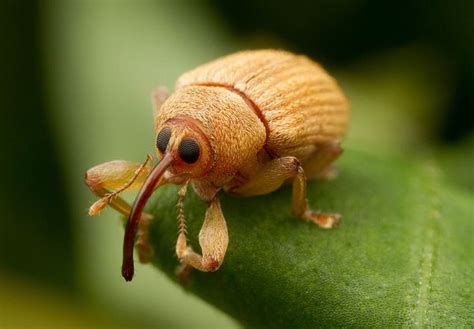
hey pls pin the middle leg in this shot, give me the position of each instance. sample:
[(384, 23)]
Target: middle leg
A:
[(272, 175)]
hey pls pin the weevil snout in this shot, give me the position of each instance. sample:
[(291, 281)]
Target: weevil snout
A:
[(185, 151), (136, 213)]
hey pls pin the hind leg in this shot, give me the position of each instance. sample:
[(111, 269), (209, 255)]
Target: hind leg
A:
[(319, 165)]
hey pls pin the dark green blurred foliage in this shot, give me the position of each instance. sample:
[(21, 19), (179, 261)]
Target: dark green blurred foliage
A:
[(401, 256), (341, 32), (76, 78), (36, 234)]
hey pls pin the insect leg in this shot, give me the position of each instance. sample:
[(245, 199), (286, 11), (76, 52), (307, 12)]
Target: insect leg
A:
[(319, 165), (269, 177), (119, 176), (300, 207), (272, 175), (213, 239), (109, 179)]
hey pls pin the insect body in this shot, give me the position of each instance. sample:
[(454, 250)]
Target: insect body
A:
[(244, 123)]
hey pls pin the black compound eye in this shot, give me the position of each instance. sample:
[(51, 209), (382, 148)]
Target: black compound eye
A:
[(189, 151), (163, 139)]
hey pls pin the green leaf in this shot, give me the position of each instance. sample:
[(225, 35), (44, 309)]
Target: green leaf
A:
[(458, 161), (402, 254)]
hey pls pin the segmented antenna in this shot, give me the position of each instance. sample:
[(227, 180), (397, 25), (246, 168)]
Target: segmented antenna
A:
[(180, 207)]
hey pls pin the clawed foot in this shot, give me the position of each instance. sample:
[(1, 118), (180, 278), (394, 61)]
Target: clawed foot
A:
[(325, 221)]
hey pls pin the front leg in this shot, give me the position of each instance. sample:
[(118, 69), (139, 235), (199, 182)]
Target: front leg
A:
[(213, 239), (108, 180)]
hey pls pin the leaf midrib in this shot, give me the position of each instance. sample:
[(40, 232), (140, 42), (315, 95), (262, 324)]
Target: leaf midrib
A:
[(431, 188)]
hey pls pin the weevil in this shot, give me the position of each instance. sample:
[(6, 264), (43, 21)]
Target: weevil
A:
[(244, 123)]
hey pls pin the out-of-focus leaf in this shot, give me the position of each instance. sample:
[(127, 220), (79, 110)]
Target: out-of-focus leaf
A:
[(26, 304), (103, 59), (458, 163), (402, 254)]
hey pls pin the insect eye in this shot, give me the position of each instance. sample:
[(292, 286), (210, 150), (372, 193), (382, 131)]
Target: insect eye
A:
[(189, 151), (163, 139)]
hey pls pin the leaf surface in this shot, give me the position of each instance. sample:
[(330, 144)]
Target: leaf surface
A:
[(402, 254)]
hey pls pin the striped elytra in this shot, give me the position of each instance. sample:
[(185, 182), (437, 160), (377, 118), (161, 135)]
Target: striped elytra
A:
[(244, 123), (301, 105)]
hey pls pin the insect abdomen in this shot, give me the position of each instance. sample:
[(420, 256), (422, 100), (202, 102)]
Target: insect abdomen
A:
[(302, 106)]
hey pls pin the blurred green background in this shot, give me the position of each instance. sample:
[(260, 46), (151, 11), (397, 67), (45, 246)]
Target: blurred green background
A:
[(75, 92)]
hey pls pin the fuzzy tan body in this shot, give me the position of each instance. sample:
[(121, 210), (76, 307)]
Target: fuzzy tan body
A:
[(259, 105), (245, 123), (301, 103)]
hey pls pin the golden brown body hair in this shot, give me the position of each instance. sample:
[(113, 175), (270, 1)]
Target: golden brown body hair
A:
[(245, 123), (301, 103)]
